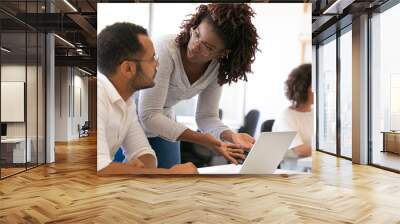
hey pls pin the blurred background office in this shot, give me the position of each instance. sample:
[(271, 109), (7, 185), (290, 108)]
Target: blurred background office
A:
[(285, 42)]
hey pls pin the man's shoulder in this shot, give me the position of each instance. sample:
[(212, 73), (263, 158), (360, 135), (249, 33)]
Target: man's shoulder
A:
[(102, 93), (101, 85)]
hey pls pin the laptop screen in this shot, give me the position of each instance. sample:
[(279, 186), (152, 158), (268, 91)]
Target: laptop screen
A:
[(3, 129)]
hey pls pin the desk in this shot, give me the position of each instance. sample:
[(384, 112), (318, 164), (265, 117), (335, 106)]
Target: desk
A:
[(297, 164), (234, 169), (391, 141), (13, 150)]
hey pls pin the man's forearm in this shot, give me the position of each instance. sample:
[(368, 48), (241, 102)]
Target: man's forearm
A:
[(127, 169), (148, 160)]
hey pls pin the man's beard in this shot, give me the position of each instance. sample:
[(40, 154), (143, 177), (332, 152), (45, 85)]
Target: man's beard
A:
[(140, 78)]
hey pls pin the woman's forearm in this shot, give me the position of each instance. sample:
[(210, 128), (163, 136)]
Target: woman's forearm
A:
[(227, 135), (193, 137)]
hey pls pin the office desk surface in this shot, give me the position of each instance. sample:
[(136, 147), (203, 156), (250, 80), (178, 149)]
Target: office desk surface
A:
[(12, 140), (235, 169), (70, 191)]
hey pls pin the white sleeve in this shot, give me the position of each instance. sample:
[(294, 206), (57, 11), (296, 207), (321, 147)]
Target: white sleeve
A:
[(152, 101), (103, 149), (207, 117), (135, 142), (285, 123)]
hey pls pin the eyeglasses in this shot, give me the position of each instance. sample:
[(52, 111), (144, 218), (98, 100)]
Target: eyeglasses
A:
[(204, 49), (153, 59)]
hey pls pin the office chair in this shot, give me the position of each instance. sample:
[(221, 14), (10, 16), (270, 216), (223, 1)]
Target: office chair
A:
[(84, 130), (250, 123), (267, 125), (197, 154)]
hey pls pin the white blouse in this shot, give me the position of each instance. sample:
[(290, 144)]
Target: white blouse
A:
[(172, 86)]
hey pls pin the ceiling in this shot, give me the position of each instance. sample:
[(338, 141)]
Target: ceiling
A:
[(328, 16), (74, 21)]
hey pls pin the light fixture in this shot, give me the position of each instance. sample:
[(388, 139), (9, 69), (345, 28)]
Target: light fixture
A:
[(64, 40), (84, 71), (70, 5), (80, 51), (338, 6), (5, 50)]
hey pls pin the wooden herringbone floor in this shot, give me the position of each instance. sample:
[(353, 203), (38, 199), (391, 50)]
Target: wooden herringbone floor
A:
[(70, 192)]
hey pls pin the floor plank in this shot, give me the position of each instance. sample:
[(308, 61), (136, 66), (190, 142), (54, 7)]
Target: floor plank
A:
[(69, 191)]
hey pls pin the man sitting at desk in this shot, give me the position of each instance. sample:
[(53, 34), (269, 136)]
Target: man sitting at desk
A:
[(127, 59)]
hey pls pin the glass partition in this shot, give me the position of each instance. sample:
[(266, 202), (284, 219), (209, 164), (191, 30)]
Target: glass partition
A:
[(385, 89), (327, 96), (346, 93), (13, 107), (31, 98), (41, 87), (22, 77)]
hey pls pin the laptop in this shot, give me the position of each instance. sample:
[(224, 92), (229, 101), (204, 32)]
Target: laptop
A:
[(263, 158)]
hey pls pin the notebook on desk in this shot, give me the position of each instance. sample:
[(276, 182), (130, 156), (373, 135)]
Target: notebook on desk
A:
[(263, 158)]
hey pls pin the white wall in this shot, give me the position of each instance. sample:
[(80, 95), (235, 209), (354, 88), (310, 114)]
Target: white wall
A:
[(69, 85), (281, 27), (34, 123), (80, 103), (110, 13), (61, 103), (12, 73)]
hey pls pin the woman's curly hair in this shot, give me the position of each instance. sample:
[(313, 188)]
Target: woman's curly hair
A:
[(296, 86), (232, 23)]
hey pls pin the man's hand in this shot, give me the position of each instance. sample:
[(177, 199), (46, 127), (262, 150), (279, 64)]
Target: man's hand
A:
[(136, 163), (186, 168)]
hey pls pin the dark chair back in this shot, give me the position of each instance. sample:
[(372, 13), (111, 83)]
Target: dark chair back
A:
[(86, 126), (267, 125), (220, 114), (250, 122)]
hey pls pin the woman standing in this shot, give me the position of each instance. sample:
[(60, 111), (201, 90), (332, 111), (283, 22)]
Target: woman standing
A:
[(216, 46)]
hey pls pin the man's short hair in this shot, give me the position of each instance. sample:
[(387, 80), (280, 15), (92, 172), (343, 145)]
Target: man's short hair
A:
[(116, 43)]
